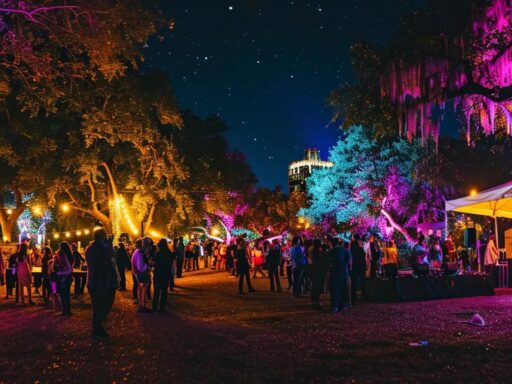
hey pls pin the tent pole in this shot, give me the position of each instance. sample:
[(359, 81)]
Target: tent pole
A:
[(496, 232)]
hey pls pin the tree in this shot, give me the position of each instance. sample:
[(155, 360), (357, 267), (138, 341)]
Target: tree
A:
[(372, 184), (452, 55)]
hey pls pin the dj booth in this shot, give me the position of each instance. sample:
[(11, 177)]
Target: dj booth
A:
[(410, 288)]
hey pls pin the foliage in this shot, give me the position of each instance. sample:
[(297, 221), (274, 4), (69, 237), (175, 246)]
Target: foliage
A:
[(369, 178), (450, 55)]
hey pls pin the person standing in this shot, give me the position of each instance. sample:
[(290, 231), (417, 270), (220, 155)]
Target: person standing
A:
[(339, 261), (122, 263), (45, 273), (419, 251), (451, 249), (230, 258), (24, 274), (161, 275), (64, 270), (258, 259), (390, 260), (319, 265), (141, 272), (208, 253), (358, 274), (287, 262), (35, 261), (298, 259), (273, 259), (102, 280), (242, 266), (180, 256), (492, 255), (78, 261), (374, 250), (11, 278)]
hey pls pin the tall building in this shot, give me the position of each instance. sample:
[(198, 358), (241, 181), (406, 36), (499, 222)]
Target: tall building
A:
[(299, 171)]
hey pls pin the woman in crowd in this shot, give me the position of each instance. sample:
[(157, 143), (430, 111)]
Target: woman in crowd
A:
[(258, 258), (54, 282), (24, 274), (492, 254), (189, 256), (141, 273), (64, 272), (161, 275), (390, 260), (45, 273)]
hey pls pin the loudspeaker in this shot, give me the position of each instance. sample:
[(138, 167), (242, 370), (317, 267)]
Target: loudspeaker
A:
[(470, 238)]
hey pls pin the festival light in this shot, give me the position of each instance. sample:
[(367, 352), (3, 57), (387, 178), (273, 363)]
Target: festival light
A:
[(37, 210), (473, 192), (65, 207), (68, 234), (86, 232), (56, 235), (9, 211), (79, 233)]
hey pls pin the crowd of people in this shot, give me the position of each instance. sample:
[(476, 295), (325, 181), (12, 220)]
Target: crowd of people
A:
[(303, 267)]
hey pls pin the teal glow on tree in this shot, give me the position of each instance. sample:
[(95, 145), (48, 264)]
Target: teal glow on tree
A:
[(371, 183)]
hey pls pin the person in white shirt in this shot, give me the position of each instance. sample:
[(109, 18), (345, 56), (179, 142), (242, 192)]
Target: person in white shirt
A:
[(492, 254)]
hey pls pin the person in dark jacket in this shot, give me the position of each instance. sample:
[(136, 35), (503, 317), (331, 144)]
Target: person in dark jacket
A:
[(375, 254), (11, 278), (339, 260), (242, 267), (78, 261), (102, 280), (318, 272), (161, 275), (358, 273), (273, 259), (123, 263), (180, 256)]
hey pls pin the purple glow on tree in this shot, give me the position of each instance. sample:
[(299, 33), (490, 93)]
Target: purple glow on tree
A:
[(474, 72)]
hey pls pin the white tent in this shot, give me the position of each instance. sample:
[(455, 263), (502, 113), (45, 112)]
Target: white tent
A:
[(495, 202)]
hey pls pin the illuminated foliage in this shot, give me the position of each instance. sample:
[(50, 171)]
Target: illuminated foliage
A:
[(371, 181)]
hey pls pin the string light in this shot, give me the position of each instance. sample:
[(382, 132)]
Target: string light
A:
[(9, 211)]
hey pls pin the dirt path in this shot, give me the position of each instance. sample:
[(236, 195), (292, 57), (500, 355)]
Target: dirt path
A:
[(215, 335)]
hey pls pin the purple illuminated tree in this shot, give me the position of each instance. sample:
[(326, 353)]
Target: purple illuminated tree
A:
[(373, 184)]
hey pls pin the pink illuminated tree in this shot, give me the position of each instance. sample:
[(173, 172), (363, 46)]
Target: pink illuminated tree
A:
[(452, 56)]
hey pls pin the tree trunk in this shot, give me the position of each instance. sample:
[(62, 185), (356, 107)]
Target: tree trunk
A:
[(396, 226)]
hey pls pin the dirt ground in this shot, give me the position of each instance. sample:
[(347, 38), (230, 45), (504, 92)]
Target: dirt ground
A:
[(214, 335)]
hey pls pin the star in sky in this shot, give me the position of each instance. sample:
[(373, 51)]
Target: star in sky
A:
[(267, 68)]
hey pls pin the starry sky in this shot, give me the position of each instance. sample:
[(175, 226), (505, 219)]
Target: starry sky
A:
[(267, 66)]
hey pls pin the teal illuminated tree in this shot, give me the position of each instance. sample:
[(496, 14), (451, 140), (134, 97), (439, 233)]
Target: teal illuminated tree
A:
[(372, 184)]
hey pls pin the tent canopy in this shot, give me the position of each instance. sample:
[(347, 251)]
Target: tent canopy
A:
[(494, 202)]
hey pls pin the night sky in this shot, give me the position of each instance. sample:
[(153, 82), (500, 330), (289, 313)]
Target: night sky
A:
[(267, 66)]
